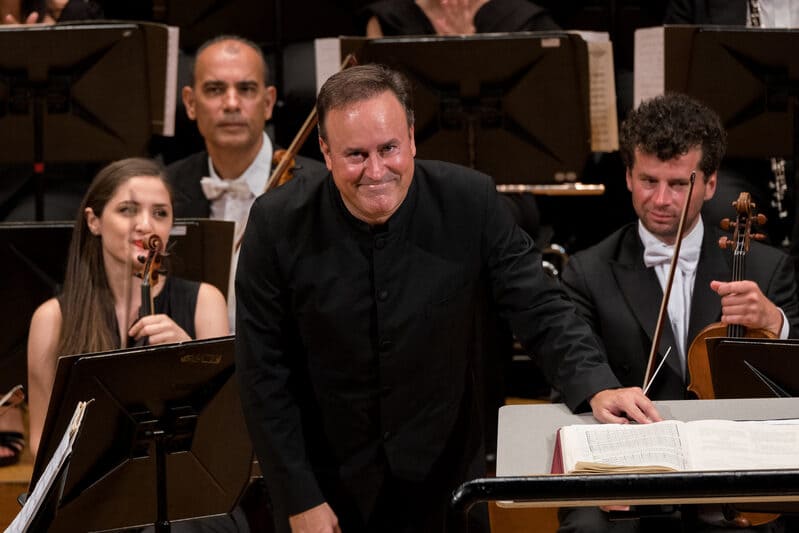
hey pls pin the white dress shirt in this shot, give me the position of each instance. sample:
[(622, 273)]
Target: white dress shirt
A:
[(658, 254), (235, 206)]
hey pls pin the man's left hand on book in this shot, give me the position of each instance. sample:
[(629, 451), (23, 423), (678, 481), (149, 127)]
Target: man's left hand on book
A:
[(622, 406)]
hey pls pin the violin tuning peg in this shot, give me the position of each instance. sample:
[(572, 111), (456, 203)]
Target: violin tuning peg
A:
[(138, 275), (141, 259), (725, 224), (760, 219), (759, 236)]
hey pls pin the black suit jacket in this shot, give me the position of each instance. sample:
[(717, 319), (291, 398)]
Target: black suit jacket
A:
[(620, 297), (356, 343), (726, 12), (184, 177)]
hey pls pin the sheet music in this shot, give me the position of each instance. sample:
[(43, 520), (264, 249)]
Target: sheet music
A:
[(35, 499), (649, 64), (602, 97), (327, 53), (171, 89)]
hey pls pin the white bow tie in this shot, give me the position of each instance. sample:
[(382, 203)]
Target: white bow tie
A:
[(660, 253), (213, 188)]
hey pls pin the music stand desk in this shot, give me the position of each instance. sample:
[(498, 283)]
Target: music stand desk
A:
[(526, 442), (563, 189), (526, 433)]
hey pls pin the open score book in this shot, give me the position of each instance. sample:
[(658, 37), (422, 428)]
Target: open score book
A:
[(673, 445)]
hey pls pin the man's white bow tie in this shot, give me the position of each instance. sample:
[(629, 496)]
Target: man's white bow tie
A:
[(660, 253), (214, 188)]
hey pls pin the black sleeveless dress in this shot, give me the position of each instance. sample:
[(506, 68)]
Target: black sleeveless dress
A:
[(404, 17), (178, 301)]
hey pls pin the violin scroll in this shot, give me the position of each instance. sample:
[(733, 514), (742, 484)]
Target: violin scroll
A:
[(742, 225), (149, 274)]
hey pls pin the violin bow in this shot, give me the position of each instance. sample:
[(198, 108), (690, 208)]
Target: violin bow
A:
[(667, 289)]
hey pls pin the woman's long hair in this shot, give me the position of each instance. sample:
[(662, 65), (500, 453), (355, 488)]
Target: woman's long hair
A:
[(87, 304)]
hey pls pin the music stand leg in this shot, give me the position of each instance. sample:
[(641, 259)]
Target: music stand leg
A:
[(162, 522)]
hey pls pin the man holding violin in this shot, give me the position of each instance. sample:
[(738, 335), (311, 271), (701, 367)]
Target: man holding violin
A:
[(618, 284), (231, 99)]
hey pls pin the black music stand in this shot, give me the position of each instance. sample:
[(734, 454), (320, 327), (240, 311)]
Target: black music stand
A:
[(515, 106), (35, 256), (754, 368), (760, 115), (164, 438), (80, 93)]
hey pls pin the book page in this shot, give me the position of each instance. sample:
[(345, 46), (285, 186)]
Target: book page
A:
[(730, 445), (26, 516), (649, 76), (638, 445)]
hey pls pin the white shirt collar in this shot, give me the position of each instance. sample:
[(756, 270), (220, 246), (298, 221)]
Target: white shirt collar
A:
[(257, 174), (691, 244)]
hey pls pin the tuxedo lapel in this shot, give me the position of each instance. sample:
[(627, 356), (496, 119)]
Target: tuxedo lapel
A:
[(705, 303), (642, 292)]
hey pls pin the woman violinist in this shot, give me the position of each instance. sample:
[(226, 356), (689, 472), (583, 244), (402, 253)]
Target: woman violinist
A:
[(128, 202)]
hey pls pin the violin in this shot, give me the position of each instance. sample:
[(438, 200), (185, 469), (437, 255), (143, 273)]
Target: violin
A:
[(701, 381), (150, 272), (287, 173)]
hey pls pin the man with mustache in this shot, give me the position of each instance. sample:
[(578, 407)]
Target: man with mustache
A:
[(358, 334), (231, 99), (617, 284)]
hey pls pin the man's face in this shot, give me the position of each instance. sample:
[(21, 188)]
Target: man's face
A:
[(659, 189), (370, 150), (229, 100)]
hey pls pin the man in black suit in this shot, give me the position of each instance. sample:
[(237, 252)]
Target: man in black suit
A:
[(358, 296), (617, 284), (231, 100)]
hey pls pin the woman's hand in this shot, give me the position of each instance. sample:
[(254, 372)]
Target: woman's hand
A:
[(50, 16), (455, 17), (159, 328)]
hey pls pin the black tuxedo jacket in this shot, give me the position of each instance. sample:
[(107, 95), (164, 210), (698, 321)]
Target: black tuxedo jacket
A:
[(620, 297), (184, 176), (727, 12)]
